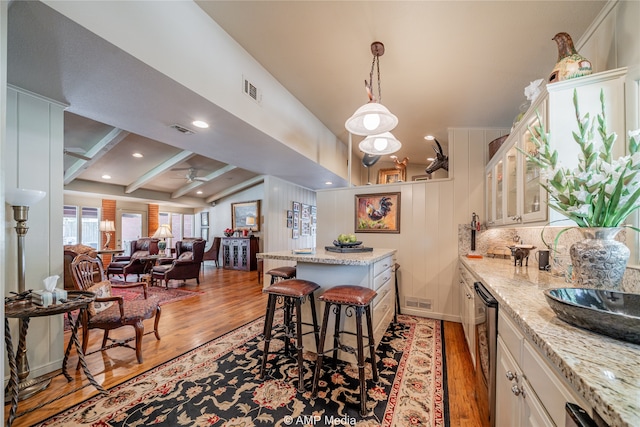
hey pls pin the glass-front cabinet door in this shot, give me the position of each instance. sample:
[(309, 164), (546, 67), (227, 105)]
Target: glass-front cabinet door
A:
[(490, 198), (534, 197), (511, 185), (499, 177)]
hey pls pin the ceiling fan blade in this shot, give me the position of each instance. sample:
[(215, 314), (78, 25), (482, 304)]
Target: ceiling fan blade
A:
[(76, 155)]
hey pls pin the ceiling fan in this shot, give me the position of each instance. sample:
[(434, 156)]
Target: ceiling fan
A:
[(76, 152), (191, 175)]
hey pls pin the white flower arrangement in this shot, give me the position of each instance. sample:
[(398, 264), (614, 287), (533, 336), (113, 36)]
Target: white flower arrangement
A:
[(600, 192)]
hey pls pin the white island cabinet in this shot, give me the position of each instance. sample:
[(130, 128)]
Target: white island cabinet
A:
[(372, 269)]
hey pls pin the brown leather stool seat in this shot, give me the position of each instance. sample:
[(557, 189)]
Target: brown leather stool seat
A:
[(359, 299), (282, 273), (292, 293)]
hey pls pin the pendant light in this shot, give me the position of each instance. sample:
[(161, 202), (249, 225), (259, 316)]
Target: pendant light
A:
[(384, 143), (372, 118)]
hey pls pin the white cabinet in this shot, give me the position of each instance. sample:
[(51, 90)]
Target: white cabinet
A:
[(513, 192), (467, 309), (529, 392)]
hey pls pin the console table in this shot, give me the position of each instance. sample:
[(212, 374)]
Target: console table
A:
[(25, 310), (239, 253)]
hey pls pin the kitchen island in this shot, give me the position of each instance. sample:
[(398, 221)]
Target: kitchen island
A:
[(603, 372), (373, 269)]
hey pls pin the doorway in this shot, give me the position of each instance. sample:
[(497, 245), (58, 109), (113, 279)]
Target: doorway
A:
[(132, 225)]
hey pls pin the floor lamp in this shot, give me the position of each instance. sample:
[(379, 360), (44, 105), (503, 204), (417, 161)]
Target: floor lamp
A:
[(20, 199)]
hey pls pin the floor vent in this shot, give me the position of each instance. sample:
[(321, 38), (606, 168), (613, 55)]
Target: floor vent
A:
[(250, 90), (182, 129), (422, 304)]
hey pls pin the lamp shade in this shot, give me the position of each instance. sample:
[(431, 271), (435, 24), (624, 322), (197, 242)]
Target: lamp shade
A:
[(107, 225), (371, 119), (384, 143), (251, 221), (23, 197), (163, 231)]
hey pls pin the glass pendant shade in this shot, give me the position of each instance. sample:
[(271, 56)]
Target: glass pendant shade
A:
[(23, 197), (384, 143), (372, 118)]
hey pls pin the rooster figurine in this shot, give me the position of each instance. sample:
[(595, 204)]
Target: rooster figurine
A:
[(378, 214), (570, 63)]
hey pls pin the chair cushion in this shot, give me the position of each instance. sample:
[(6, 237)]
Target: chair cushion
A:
[(349, 294), (285, 272), (186, 256), (102, 290), (133, 310), (161, 269), (292, 288), (140, 254)]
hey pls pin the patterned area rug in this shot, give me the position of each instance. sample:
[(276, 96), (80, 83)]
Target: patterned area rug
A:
[(217, 384)]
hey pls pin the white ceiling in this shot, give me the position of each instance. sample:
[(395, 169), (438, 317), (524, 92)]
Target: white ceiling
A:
[(447, 64)]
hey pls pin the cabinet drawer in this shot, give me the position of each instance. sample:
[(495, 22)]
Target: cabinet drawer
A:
[(383, 292), (552, 390), (510, 334), (382, 265), (382, 279)]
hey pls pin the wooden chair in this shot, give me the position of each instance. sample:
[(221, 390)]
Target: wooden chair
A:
[(110, 312), (214, 251)]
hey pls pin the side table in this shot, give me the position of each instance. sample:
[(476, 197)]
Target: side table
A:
[(25, 310)]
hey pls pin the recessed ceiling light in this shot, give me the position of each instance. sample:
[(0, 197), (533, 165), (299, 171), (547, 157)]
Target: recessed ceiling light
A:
[(430, 159), (200, 124), (328, 183), (105, 176), (137, 155), (429, 137), (199, 192)]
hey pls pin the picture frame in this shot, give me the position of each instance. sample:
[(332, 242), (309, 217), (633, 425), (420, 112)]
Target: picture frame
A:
[(391, 175), (204, 233), (295, 206), (425, 177), (241, 211), (377, 213), (204, 219), (289, 219)]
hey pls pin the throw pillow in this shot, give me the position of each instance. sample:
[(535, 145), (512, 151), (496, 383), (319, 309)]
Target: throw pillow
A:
[(102, 290), (140, 254), (186, 256)]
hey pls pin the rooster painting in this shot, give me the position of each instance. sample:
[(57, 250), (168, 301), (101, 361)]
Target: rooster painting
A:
[(378, 212)]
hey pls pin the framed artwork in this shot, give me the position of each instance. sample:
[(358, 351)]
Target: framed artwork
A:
[(204, 219), (289, 219), (378, 213), (296, 206), (389, 176), (296, 220), (246, 215), (425, 177), (295, 233), (305, 213), (204, 233)]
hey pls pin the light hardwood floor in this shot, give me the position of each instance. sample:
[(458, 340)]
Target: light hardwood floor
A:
[(230, 299)]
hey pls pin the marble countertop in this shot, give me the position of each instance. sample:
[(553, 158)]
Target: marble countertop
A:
[(322, 256), (605, 371)]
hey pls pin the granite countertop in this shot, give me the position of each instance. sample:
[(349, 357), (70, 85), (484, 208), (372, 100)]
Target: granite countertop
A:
[(605, 371), (322, 256)]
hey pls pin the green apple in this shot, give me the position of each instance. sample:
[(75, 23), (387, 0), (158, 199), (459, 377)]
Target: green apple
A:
[(343, 238), (352, 238)]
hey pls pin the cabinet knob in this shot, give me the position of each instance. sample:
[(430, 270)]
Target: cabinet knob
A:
[(511, 376), (517, 390)]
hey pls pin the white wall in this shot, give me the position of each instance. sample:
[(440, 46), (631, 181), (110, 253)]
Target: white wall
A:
[(32, 158), (3, 137)]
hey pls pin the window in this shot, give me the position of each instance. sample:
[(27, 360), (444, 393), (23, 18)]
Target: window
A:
[(81, 225), (182, 225)]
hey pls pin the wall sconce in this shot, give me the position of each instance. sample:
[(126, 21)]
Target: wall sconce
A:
[(163, 232), (108, 227)]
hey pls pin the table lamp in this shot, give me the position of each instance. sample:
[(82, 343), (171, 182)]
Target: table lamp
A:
[(163, 232), (108, 227), (251, 222)]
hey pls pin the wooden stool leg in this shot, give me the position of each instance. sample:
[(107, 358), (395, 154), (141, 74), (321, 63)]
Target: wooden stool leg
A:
[(314, 316), (287, 323), (323, 334), (361, 375), (397, 311), (372, 345), (336, 336), (267, 333), (299, 346)]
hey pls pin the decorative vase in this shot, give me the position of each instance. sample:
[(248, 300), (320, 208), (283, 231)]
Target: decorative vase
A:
[(599, 261), (570, 63)]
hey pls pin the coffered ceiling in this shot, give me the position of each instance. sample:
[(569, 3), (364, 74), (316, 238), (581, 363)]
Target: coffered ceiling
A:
[(447, 64)]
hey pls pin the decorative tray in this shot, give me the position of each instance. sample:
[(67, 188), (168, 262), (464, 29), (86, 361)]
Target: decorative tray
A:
[(346, 245), (304, 251), (351, 249)]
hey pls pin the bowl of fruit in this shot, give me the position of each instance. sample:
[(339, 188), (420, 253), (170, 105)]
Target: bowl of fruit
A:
[(346, 241)]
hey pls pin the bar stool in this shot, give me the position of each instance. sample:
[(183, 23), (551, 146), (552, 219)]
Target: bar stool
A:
[(359, 299), (282, 273), (291, 293)]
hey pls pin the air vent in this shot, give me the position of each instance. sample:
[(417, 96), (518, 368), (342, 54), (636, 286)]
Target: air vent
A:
[(251, 90), (422, 304), (182, 129)]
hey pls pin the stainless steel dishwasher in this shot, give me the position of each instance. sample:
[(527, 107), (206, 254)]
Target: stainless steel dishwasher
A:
[(486, 324)]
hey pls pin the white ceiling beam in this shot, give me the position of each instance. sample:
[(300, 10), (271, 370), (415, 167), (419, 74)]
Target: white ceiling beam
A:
[(236, 188), (95, 153), (213, 175), (161, 168)]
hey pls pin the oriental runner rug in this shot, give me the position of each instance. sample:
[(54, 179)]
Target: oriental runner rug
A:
[(217, 384)]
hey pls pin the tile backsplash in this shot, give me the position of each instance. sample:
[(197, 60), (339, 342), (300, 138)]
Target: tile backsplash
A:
[(494, 242)]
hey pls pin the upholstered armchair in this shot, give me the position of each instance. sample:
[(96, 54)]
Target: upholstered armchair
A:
[(70, 252), (214, 251), (108, 312), (189, 254), (130, 264)]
